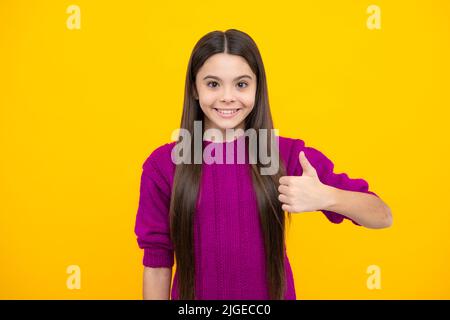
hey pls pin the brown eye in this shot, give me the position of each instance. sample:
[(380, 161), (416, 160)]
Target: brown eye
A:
[(245, 83), (212, 82)]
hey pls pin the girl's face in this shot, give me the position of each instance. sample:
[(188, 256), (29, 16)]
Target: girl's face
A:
[(226, 90)]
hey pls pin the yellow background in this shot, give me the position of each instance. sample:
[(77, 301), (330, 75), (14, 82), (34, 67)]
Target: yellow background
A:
[(80, 110)]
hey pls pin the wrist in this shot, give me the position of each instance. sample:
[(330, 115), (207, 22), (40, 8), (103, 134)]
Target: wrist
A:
[(331, 197)]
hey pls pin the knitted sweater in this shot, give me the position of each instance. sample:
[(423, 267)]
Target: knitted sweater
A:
[(228, 239)]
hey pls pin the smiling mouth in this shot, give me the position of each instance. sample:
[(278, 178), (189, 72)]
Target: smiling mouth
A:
[(227, 112)]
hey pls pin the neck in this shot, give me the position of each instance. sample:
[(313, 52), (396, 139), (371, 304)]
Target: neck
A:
[(220, 135)]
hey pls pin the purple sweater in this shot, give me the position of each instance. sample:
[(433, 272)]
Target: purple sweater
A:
[(228, 240)]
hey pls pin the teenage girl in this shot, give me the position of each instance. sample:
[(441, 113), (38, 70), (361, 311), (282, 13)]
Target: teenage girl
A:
[(224, 223)]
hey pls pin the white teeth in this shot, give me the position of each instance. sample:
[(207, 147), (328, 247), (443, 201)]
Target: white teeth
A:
[(227, 111)]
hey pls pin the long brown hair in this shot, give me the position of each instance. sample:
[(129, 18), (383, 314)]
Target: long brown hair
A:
[(188, 176)]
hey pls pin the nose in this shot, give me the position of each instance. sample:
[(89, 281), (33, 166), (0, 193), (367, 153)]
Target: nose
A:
[(227, 96)]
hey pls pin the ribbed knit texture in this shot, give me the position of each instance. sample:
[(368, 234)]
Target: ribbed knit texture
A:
[(228, 239)]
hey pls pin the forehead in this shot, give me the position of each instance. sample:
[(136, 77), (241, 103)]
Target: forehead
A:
[(226, 66)]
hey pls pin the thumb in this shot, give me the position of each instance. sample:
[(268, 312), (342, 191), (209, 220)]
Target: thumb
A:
[(308, 169)]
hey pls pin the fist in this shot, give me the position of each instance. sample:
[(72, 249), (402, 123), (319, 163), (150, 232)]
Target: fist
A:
[(304, 193)]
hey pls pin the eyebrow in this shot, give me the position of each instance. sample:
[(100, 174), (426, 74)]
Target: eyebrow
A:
[(217, 78)]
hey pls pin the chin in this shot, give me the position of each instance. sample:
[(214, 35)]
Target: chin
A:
[(223, 126)]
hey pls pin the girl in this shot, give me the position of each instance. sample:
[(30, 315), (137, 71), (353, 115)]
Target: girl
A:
[(225, 223)]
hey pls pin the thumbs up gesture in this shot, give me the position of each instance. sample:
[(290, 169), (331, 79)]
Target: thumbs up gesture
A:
[(306, 192)]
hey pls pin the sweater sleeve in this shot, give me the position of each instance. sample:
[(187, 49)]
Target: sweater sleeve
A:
[(152, 226), (325, 171)]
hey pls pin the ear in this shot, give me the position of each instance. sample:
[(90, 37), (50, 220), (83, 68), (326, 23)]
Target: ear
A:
[(195, 94)]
